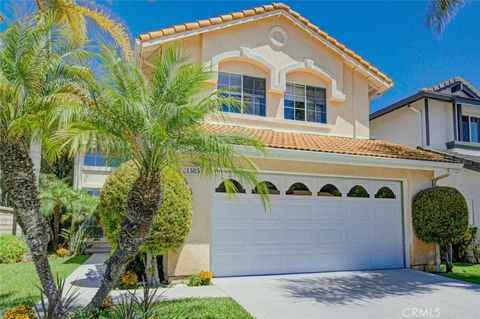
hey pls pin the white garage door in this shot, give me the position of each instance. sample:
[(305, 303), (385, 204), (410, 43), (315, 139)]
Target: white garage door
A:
[(309, 230)]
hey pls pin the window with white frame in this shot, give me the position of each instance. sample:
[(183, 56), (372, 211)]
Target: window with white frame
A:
[(249, 90), (305, 103), (470, 129), (97, 159)]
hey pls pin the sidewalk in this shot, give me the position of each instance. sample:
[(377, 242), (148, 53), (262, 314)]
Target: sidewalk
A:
[(87, 278)]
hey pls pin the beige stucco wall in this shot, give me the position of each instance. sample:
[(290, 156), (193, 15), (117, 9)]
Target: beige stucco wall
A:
[(246, 49), (194, 255), (403, 126)]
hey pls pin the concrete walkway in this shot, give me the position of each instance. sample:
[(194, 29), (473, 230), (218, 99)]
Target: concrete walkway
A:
[(379, 294), (86, 279)]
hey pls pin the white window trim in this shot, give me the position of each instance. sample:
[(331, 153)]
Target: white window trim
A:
[(241, 92), (470, 127), (305, 96)]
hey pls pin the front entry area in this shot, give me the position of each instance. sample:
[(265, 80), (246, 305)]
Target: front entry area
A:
[(315, 224)]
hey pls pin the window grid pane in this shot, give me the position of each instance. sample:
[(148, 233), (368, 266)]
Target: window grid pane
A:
[(465, 129), (249, 90), (300, 99), (474, 129)]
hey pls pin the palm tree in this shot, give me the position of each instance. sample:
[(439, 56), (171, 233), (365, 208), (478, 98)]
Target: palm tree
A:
[(37, 74), (156, 122), (55, 195), (73, 16), (441, 12)]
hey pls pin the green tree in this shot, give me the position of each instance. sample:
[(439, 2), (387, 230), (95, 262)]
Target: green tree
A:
[(55, 195), (73, 17), (440, 215), (157, 123), (441, 12), (171, 224), (39, 71)]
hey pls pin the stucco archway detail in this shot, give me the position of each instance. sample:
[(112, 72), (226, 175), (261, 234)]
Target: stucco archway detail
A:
[(249, 55), (335, 94)]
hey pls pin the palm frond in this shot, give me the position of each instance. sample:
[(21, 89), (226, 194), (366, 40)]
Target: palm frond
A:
[(441, 12)]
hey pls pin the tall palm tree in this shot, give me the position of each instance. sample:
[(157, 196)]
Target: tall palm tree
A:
[(73, 16), (156, 122), (441, 12), (37, 74)]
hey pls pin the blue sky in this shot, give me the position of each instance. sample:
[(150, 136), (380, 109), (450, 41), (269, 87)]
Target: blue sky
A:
[(390, 34)]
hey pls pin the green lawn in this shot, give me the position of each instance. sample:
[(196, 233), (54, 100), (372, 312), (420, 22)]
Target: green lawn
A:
[(202, 308), (466, 272), (18, 280)]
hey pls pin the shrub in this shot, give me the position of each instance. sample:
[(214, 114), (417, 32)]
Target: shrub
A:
[(203, 278), (19, 312), (194, 280), (172, 223), (440, 215), (12, 248)]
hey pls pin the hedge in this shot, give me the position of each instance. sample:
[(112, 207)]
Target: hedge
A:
[(440, 215), (172, 223), (12, 248)]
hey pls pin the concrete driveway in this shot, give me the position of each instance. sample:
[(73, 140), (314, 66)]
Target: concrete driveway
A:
[(398, 293)]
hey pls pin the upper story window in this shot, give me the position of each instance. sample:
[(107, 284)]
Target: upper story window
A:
[(470, 129), (305, 103), (250, 90), (96, 159)]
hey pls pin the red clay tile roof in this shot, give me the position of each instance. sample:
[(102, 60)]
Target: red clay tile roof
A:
[(331, 144), (256, 11)]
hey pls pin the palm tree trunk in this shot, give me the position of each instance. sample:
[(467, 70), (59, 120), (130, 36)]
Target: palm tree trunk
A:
[(19, 179), (56, 225), (143, 202), (151, 270)]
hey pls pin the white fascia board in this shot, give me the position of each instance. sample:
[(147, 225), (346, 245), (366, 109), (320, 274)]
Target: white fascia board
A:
[(347, 159)]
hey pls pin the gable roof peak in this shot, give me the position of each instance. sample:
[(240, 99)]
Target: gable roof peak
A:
[(451, 82), (261, 10)]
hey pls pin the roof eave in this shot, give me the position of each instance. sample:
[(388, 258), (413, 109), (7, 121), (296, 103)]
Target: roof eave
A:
[(350, 159)]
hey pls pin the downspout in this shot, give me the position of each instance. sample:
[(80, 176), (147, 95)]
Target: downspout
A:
[(447, 174), (411, 108)]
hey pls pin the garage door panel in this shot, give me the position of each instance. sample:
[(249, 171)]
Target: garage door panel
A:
[(307, 233)]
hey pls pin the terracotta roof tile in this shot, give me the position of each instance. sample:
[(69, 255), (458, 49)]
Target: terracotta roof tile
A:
[(257, 11), (331, 144)]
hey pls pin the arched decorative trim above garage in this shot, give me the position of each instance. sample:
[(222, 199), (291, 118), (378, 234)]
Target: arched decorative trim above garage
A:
[(329, 190), (222, 188), (358, 191), (272, 189), (298, 189), (385, 192)]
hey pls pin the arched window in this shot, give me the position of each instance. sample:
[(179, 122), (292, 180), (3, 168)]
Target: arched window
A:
[(358, 191), (272, 189), (385, 192), (299, 189), (329, 190), (222, 188)]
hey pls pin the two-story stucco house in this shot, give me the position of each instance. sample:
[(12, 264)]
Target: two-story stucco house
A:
[(340, 200), (444, 118)]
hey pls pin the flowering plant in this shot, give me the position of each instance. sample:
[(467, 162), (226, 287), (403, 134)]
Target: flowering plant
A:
[(62, 252), (128, 279), (19, 312)]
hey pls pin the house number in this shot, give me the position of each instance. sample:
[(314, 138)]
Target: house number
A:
[(191, 170)]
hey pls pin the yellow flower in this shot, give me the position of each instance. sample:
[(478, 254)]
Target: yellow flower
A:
[(62, 252), (129, 279), (107, 303), (20, 312), (206, 275)]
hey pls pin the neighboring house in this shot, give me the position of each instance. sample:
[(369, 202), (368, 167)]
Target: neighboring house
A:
[(340, 201), (444, 118)]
